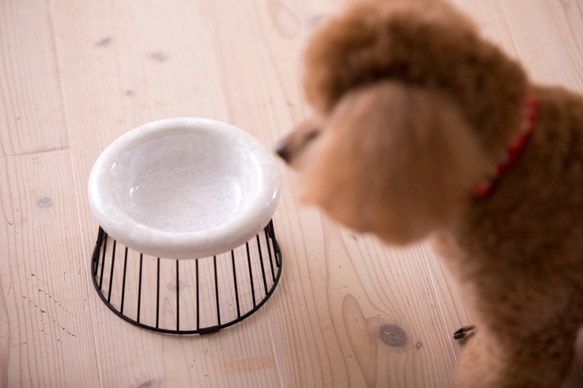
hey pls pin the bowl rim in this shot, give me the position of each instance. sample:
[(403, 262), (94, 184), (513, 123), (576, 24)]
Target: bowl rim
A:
[(187, 245)]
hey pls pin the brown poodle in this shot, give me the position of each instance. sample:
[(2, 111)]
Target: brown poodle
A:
[(422, 128)]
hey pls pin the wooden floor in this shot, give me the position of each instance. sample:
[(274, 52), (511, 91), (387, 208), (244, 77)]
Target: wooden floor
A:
[(75, 75)]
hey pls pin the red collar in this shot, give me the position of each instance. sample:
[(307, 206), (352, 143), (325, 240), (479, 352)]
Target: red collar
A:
[(484, 187)]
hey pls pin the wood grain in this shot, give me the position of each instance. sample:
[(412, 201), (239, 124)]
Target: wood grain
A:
[(4, 339), (348, 312), (44, 278), (31, 107), (450, 301)]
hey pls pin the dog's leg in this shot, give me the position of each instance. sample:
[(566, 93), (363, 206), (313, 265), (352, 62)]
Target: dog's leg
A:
[(492, 359)]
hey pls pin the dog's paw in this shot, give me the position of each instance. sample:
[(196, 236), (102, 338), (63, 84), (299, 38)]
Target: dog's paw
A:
[(464, 333)]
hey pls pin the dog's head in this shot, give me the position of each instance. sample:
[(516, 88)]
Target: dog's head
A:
[(410, 107)]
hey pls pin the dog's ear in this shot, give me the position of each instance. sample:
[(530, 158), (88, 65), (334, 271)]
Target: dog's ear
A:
[(395, 160)]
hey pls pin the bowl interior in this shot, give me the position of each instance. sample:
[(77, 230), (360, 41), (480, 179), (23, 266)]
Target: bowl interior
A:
[(185, 180)]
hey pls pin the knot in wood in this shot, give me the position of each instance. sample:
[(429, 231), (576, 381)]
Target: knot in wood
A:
[(393, 335)]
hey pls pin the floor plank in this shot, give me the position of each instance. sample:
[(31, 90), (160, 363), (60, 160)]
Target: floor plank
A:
[(31, 107), (556, 55), (44, 280), (451, 304)]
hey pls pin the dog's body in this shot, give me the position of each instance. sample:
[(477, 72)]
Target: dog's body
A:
[(412, 107)]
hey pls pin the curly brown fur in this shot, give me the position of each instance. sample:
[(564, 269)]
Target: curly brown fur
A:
[(412, 105)]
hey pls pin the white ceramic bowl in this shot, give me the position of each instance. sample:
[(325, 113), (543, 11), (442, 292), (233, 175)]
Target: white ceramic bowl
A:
[(184, 188)]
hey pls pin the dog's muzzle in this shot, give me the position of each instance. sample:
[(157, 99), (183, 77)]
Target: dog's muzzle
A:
[(297, 141)]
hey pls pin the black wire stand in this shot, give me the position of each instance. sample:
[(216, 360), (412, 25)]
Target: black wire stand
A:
[(197, 296)]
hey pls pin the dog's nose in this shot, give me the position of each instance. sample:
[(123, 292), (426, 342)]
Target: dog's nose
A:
[(282, 150)]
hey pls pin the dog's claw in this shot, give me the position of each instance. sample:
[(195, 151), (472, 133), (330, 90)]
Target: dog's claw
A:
[(464, 333)]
